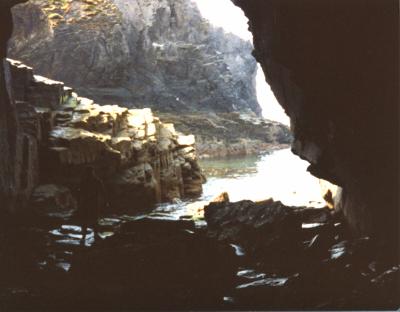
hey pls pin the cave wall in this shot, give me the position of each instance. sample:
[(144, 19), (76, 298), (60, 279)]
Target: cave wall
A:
[(333, 65), (11, 136)]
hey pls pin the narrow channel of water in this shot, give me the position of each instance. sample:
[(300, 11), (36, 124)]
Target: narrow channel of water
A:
[(280, 175)]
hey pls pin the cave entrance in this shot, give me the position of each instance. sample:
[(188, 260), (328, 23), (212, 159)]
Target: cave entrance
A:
[(278, 174), (191, 62)]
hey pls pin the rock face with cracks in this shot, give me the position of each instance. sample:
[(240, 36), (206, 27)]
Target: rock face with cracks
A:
[(333, 66), (137, 53), (141, 160), (231, 134)]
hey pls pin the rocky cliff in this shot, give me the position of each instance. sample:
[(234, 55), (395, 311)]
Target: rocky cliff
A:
[(231, 134), (141, 160), (333, 65), (161, 54)]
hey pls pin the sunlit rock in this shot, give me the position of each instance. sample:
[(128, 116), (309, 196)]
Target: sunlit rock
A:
[(131, 150), (230, 134), (181, 61), (221, 198), (168, 130), (139, 117), (329, 192), (187, 140)]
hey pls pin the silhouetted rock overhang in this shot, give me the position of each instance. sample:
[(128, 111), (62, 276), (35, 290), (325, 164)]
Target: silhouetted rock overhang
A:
[(334, 67)]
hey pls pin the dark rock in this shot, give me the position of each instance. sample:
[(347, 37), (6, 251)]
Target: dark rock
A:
[(386, 287), (339, 250), (361, 157), (312, 215), (156, 264), (156, 225), (54, 201), (261, 293), (11, 136), (265, 229)]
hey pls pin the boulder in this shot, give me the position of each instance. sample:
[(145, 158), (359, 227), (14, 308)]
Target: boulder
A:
[(156, 264), (261, 227), (221, 198), (133, 189), (54, 201)]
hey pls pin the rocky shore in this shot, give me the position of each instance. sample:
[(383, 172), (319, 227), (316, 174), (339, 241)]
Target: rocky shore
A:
[(231, 134), (141, 160), (250, 256), (161, 55)]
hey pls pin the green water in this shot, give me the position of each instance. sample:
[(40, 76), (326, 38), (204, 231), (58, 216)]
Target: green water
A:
[(279, 175)]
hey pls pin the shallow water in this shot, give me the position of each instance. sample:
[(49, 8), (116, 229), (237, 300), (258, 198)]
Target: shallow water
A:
[(280, 175)]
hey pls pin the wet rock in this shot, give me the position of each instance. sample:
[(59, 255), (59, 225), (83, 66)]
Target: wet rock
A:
[(269, 282), (261, 293), (162, 263), (339, 250), (313, 215), (262, 228), (156, 225), (250, 275), (386, 287), (54, 201), (318, 240)]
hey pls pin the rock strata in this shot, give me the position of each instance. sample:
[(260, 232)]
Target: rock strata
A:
[(231, 134), (137, 53), (141, 160)]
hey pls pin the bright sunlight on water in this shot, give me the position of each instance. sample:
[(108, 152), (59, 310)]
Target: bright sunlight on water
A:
[(280, 175)]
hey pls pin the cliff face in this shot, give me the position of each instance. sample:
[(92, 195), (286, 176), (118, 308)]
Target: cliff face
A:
[(333, 65), (231, 134), (141, 160), (157, 53)]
